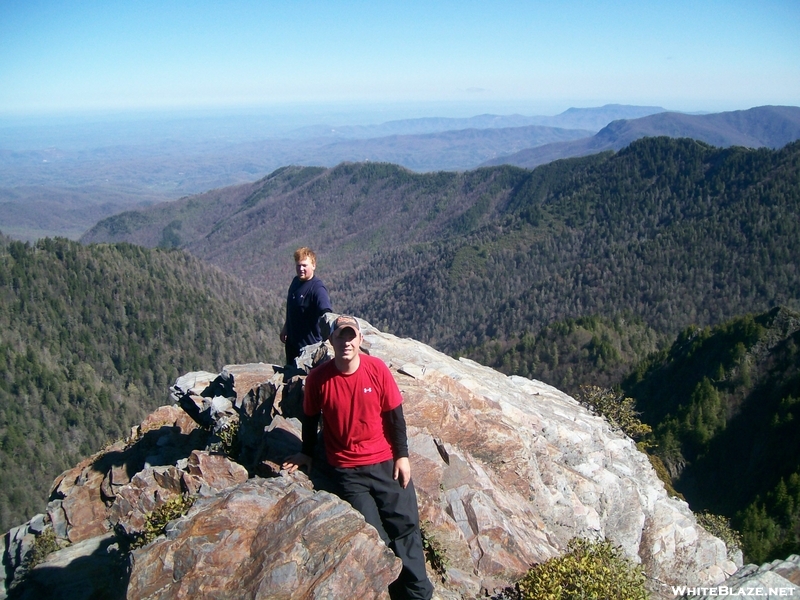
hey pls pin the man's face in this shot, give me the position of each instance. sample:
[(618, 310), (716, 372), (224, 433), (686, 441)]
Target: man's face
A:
[(305, 268), (346, 343)]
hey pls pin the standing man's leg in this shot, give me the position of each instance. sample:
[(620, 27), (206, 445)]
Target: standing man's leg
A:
[(355, 487), (393, 511), (400, 518)]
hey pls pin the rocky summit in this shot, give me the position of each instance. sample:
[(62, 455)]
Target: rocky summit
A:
[(508, 470)]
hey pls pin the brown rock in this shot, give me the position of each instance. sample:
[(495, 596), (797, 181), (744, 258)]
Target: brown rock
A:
[(168, 416), (82, 505), (218, 472), (87, 492), (266, 539), (139, 498)]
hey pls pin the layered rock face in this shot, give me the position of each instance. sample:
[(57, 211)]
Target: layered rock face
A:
[(507, 471)]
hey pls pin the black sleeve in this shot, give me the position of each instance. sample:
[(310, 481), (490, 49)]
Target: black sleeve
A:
[(310, 425), (394, 424)]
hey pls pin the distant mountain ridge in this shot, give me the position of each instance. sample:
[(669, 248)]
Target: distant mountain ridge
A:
[(764, 126), (451, 150), (32, 182), (109, 180), (592, 119)]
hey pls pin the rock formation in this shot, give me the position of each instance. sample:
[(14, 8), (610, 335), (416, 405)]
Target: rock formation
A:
[(507, 471)]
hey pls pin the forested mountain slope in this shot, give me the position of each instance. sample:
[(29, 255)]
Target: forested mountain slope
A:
[(670, 231), (348, 214), (724, 404), (593, 119), (673, 231), (90, 339), (568, 354)]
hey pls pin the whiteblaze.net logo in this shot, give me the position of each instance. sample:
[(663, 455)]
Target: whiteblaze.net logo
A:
[(683, 591)]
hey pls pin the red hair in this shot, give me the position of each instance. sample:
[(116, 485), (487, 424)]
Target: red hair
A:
[(305, 252)]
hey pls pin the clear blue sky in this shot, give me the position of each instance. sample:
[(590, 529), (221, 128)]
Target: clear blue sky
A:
[(530, 57)]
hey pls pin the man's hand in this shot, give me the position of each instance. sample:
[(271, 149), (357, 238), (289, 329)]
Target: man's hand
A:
[(296, 461), (402, 471), (284, 334)]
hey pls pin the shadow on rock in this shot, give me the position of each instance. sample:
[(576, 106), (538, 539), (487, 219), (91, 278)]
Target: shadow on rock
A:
[(92, 569)]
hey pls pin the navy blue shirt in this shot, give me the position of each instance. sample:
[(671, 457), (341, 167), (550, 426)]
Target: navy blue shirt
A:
[(306, 302)]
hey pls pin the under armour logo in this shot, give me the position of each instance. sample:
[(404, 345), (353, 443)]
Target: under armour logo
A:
[(367, 390)]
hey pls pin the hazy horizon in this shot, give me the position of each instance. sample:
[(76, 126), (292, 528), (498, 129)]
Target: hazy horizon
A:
[(399, 60), (78, 129)]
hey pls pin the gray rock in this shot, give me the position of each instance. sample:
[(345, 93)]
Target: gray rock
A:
[(194, 382), (313, 355), (92, 568), (58, 519), (779, 578), (36, 524)]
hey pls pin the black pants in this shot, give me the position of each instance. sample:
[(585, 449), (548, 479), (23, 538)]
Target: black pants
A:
[(393, 511), (292, 351)]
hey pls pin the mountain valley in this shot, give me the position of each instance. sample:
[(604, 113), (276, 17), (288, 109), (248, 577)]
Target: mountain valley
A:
[(579, 272)]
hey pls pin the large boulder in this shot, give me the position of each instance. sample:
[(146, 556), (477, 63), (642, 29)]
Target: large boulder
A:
[(266, 539)]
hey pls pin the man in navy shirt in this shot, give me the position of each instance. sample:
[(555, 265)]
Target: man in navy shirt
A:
[(306, 302)]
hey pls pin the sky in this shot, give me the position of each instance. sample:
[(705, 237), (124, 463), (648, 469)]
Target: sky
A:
[(535, 58)]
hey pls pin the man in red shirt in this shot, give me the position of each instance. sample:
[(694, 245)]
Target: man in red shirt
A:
[(366, 446)]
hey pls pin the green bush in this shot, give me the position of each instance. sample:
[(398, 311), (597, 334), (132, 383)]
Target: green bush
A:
[(618, 410), (45, 544), (228, 443), (720, 527), (157, 520), (590, 570)]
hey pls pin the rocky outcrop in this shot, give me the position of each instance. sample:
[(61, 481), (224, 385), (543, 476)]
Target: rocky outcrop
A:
[(527, 468), (507, 471)]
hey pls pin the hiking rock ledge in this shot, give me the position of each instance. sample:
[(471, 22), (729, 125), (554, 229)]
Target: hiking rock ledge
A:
[(507, 471)]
